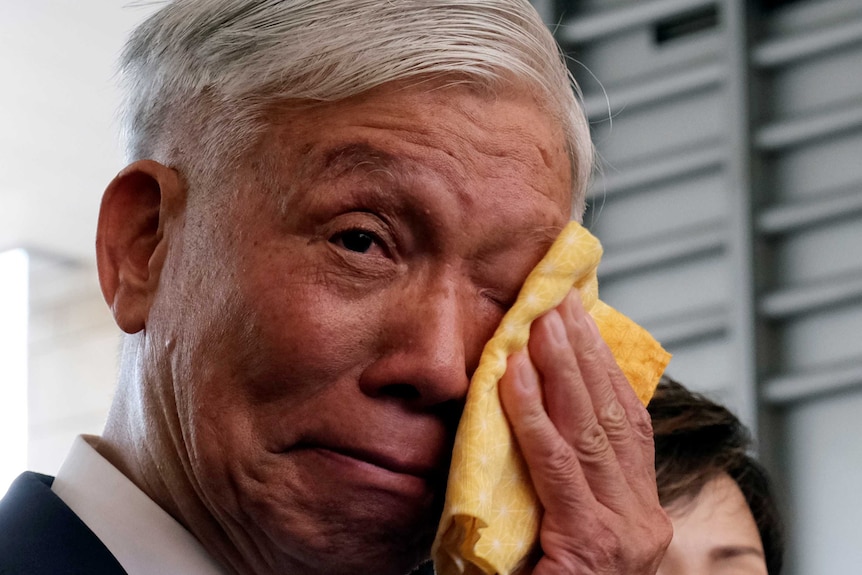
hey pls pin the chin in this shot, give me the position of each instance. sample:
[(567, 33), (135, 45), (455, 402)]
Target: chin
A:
[(381, 562), (361, 537), (357, 554)]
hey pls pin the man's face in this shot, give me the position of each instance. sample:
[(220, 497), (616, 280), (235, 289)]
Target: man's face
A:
[(321, 325)]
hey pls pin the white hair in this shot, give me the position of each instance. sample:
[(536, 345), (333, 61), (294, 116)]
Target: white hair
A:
[(215, 66)]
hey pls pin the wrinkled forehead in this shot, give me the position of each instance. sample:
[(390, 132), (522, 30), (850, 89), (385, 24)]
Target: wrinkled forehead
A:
[(483, 132), (210, 139)]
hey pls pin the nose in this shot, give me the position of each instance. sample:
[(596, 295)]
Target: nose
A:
[(429, 347)]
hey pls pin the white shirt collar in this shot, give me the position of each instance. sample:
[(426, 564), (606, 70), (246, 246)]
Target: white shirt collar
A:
[(139, 533)]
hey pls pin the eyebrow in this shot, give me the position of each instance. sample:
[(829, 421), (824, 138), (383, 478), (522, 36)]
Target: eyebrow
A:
[(329, 164), (347, 157), (731, 551), (333, 163)]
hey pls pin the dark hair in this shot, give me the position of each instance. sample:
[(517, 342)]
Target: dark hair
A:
[(696, 440)]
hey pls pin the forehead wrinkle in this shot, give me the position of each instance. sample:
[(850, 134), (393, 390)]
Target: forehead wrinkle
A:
[(400, 170), (509, 146), (505, 132), (511, 151), (333, 163), (355, 156)]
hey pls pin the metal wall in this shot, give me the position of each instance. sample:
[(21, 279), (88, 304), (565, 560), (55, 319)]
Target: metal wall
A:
[(730, 208)]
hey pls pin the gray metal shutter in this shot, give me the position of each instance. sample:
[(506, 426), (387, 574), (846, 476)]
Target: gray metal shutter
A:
[(730, 208)]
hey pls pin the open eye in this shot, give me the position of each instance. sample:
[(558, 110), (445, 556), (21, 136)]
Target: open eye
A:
[(357, 240)]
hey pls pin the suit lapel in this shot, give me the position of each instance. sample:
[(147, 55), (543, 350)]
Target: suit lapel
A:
[(41, 535)]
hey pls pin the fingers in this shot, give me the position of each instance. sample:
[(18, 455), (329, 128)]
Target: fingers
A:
[(587, 426), (554, 467), (586, 440), (637, 417), (615, 405)]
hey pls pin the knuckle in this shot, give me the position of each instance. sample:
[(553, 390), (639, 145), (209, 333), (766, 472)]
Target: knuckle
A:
[(592, 356), (562, 465), (614, 420), (641, 424), (559, 473), (593, 443)]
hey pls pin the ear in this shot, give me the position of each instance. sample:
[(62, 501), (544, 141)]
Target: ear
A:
[(130, 238)]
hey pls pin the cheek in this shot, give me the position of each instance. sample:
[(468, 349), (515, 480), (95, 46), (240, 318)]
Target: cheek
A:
[(300, 338)]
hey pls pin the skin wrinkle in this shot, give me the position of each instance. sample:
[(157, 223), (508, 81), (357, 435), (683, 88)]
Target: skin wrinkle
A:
[(252, 400), (396, 174), (380, 157), (466, 131), (614, 419)]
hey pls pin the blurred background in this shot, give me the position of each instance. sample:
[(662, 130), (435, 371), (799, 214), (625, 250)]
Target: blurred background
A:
[(729, 203)]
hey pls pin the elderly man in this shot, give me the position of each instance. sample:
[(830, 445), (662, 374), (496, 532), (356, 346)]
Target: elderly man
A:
[(330, 205)]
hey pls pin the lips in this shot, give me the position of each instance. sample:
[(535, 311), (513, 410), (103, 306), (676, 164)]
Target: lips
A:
[(400, 463)]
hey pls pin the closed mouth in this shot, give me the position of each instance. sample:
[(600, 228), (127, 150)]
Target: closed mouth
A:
[(385, 461)]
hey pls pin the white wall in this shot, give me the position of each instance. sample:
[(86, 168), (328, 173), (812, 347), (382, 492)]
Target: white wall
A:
[(72, 361)]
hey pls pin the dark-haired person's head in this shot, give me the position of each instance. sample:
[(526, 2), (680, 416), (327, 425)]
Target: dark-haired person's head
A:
[(718, 496)]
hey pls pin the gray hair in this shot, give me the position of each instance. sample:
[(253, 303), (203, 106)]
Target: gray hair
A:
[(214, 67)]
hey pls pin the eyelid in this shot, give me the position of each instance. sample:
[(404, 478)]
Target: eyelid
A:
[(367, 223), (500, 299)]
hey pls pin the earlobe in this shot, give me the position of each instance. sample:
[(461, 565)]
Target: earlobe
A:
[(130, 238)]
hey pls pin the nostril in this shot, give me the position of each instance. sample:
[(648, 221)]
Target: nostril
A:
[(399, 391)]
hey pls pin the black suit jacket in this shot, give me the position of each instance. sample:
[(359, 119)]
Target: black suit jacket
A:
[(40, 535)]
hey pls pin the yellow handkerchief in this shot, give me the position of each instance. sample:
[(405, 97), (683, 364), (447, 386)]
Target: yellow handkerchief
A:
[(491, 515)]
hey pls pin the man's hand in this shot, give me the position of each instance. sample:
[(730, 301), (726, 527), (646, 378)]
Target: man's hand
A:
[(587, 441)]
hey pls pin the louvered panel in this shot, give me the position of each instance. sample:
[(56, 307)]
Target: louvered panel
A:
[(698, 202), (733, 171), (661, 205), (825, 293), (803, 17), (808, 139), (802, 172), (620, 44), (810, 128), (592, 22), (670, 291), (831, 37), (820, 81), (696, 243), (822, 381), (820, 253), (823, 207), (634, 177), (823, 459), (660, 130), (816, 340), (692, 327), (690, 359), (630, 96)]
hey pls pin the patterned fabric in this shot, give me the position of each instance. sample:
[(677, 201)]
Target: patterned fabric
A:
[(491, 515)]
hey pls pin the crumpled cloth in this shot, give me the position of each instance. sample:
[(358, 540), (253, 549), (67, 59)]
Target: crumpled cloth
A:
[(491, 515)]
